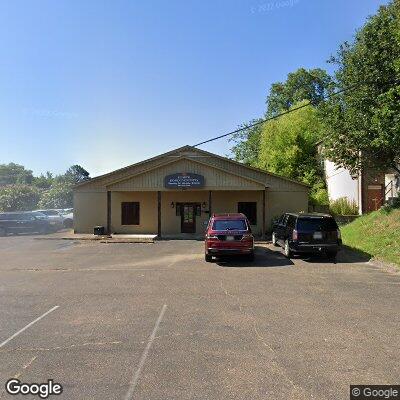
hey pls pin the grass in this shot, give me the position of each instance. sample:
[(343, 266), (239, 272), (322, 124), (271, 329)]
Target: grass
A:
[(377, 234)]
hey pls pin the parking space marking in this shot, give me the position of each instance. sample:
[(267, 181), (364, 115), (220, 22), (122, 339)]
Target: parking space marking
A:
[(136, 376), (27, 326)]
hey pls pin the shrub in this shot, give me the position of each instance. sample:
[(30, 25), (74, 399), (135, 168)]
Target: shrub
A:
[(343, 206), (18, 197), (58, 196)]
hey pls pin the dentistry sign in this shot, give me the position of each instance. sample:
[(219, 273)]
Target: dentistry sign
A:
[(184, 180)]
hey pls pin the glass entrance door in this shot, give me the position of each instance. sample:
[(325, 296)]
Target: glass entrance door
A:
[(188, 218)]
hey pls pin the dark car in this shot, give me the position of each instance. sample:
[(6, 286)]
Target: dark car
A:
[(24, 222), (228, 234), (307, 233)]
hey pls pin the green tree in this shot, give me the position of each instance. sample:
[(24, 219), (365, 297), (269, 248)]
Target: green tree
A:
[(74, 175), (366, 120), (43, 181), (18, 197), (14, 173), (247, 143), (288, 148), (58, 196), (311, 85)]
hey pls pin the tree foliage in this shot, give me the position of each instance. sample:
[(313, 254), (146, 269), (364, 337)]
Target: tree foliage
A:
[(14, 173), (312, 85), (366, 120), (20, 190), (18, 197), (58, 196), (288, 148)]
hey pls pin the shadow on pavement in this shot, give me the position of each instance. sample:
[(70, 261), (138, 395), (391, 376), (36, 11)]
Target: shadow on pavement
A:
[(346, 255), (264, 257)]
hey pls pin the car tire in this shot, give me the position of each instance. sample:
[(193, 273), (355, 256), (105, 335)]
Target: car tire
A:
[(3, 232), (286, 250), (68, 223), (208, 257), (250, 257), (331, 255), (274, 242)]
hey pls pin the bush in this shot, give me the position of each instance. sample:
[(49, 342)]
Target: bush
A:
[(19, 198), (58, 196), (343, 206)]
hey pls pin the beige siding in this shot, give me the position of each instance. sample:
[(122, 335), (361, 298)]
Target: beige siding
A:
[(148, 212), (227, 202), (171, 223), (281, 202), (90, 209), (214, 178)]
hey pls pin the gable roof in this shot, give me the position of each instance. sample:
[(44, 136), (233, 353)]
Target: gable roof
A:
[(119, 171)]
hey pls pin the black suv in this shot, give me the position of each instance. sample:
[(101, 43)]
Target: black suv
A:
[(307, 233), (24, 222)]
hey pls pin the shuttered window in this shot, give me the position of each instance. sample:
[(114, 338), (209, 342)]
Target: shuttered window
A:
[(130, 213), (249, 209)]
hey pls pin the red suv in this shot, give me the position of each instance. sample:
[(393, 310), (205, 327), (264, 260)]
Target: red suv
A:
[(228, 234)]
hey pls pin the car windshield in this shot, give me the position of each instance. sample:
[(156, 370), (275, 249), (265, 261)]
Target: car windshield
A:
[(230, 225), (311, 224)]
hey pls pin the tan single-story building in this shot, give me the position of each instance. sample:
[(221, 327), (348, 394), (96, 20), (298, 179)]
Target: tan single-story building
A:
[(175, 193)]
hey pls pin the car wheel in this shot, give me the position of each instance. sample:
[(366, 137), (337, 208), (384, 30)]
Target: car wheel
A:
[(68, 223), (250, 257), (274, 242), (331, 255), (3, 232), (288, 253), (208, 258)]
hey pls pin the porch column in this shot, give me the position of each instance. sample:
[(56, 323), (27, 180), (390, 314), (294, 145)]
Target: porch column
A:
[(109, 212), (209, 203), (159, 213), (263, 215)]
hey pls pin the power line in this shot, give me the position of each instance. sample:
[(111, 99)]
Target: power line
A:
[(284, 113)]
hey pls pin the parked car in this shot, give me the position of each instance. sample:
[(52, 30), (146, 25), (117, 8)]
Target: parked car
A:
[(68, 216), (228, 234), (55, 217), (24, 222), (307, 233)]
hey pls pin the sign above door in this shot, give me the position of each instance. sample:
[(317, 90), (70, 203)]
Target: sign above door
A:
[(184, 180)]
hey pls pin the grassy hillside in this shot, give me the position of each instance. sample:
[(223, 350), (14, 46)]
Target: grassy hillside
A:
[(377, 234)]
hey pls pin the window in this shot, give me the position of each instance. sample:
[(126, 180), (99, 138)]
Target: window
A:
[(130, 212), (229, 225), (312, 224), (249, 209), (291, 221)]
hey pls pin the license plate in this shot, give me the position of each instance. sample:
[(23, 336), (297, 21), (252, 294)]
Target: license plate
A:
[(230, 238), (52, 223), (317, 235)]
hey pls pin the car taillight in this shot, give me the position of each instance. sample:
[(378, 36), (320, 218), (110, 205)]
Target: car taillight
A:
[(339, 235), (211, 237), (295, 235), (247, 236)]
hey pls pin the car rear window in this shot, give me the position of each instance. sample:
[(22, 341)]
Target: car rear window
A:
[(311, 224), (229, 225)]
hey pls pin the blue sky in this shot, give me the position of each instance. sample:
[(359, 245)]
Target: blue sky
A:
[(106, 84)]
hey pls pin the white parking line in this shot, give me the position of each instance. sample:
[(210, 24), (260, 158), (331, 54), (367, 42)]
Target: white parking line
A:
[(27, 326), (135, 378)]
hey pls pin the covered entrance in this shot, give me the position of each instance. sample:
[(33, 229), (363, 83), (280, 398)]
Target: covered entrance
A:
[(188, 213)]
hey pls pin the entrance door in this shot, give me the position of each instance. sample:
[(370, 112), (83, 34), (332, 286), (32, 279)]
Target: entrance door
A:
[(188, 218), (374, 198)]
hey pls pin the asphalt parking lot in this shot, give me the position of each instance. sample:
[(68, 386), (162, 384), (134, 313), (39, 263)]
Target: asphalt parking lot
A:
[(155, 321)]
